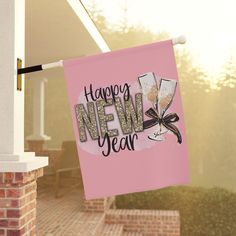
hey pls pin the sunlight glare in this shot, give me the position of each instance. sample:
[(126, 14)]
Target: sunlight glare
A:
[(209, 25)]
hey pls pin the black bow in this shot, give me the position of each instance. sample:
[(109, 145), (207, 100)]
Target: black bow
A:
[(166, 120)]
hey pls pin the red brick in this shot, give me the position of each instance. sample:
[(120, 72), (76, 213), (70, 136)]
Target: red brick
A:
[(2, 232), (5, 203), (31, 215), (33, 231), (15, 203), (13, 223), (3, 223), (2, 192), (31, 176), (31, 196), (17, 232), (9, 176), (30, 225), (1, 177), (31, 206), (13, 233), (30, 187), (19, 177), (23, 220), (14, 193), (18, 202), (2, 213), (39, 172), (14, 213)]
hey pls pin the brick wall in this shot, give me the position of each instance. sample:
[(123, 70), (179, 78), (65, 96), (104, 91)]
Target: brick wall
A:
[(96, 205), (18, 203), (99, 205), (147, 222)]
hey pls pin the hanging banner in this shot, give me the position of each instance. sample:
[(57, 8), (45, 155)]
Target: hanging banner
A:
[(128, 120)]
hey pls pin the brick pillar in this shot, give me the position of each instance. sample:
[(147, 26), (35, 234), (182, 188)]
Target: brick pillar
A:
[(99, 205), (18, 203), (96, 205)]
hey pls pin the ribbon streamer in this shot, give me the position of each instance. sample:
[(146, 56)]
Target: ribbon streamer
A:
[(166, 121)]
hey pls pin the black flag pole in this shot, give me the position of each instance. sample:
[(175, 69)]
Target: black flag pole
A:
[(39, 67), (178, 40)]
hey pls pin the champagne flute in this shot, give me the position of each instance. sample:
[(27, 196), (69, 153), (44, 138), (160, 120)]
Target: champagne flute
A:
[(165, 95), (164, 100), (160, 96), (149, 87)]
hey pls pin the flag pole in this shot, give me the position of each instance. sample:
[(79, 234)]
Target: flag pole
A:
[(178, 40)]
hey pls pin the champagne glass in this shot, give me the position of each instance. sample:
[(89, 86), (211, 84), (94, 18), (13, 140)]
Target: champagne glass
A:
[(160, 96), (165, 97), (150, 88)]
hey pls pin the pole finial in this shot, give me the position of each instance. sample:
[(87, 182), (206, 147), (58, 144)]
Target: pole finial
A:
[(179, 40)]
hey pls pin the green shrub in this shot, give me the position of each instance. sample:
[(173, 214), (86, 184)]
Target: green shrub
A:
[(203, 212)]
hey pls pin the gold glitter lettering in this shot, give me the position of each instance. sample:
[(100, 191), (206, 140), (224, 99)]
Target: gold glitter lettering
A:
[(128, 115), (86, 119), (104, 118)]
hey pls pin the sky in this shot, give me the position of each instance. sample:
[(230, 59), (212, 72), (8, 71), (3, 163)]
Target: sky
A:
[(209, 25)]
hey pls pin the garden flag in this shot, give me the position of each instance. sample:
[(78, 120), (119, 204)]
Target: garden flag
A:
[(128, 120)]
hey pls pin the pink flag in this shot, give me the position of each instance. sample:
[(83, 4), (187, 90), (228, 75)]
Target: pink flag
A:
[(128, 120)]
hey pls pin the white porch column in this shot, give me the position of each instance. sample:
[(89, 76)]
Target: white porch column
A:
[(38, 110), (12, 46)]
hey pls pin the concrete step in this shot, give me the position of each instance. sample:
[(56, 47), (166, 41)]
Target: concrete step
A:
[(112, 230)]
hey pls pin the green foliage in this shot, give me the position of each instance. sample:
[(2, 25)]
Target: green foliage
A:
[(203, 212)]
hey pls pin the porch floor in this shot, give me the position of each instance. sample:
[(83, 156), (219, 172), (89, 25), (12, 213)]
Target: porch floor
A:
[(64, 215)]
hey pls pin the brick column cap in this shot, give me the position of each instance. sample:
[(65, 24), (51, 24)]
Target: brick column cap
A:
[(24, 164)]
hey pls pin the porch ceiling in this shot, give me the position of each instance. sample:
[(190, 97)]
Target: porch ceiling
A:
[(54, 32)]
